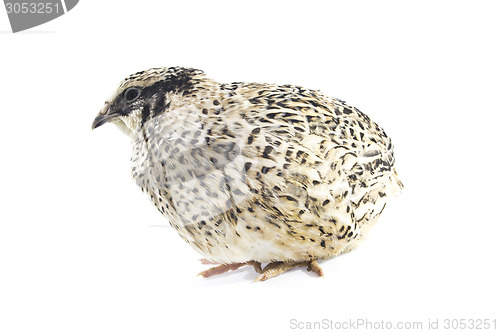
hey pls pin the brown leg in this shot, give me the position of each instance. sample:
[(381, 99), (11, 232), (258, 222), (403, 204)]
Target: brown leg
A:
[(228, 267), (279, 267), (256, 266)]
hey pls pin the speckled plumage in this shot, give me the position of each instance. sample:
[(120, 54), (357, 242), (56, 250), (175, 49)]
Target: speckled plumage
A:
[(249, 172)]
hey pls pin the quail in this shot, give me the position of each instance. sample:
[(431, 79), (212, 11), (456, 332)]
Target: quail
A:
[(251, 173)]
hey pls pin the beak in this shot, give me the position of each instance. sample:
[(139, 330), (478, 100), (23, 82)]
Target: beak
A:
[(103, 116)]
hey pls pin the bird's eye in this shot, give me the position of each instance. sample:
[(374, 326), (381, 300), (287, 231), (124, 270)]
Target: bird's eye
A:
[(131, 94)]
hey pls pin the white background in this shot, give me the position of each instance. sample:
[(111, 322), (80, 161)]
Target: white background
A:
[(83, 250)]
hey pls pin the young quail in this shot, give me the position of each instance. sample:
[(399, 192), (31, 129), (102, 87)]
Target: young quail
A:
[(252, 173)]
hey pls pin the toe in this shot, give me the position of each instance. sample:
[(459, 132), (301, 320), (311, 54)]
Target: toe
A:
[(274, 269), (314, 266), (221, 269)]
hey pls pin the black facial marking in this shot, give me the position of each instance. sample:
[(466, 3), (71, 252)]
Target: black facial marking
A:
[(145, 113), (160, 105), (181, 81), (153, 97)]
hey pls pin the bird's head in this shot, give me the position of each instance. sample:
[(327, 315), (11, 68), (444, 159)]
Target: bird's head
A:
[(147, 94)]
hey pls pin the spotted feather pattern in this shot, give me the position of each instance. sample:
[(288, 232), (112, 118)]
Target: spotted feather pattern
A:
[(248, 171)]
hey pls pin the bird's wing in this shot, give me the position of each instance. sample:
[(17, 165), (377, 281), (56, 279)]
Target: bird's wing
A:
[(312, 155)]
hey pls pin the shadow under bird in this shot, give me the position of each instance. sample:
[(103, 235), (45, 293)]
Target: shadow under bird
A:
[(251, 173)]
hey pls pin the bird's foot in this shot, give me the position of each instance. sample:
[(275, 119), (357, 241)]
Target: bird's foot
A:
[(228, 267), (274, 269)]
